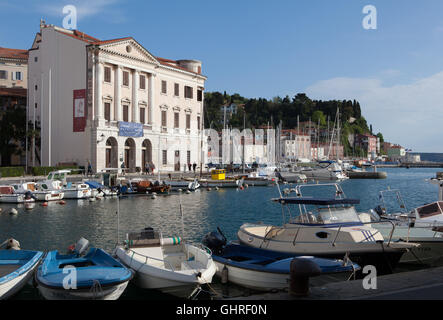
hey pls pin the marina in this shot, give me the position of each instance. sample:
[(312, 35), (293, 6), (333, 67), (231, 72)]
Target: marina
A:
[(188, 215)]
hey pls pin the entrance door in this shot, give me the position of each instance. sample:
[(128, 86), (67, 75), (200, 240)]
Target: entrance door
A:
[(177, 161)]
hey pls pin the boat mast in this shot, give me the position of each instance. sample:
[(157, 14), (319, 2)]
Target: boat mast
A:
[(338, 132)]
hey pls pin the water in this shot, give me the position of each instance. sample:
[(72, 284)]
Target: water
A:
[(58, 226)]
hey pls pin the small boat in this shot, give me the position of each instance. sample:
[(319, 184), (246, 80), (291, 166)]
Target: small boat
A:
[(147, 186), (266, 270), (166, 264), (73, 276), (324, 170), (40, 191), (175, 185), (57, 180), (8, 195), (228, 183), (16, 267), (97, 189)]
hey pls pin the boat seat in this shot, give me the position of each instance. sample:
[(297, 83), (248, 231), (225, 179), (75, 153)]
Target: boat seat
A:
[(191, 265)]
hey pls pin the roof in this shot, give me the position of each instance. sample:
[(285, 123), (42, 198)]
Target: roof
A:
[(8, 53), (316, 201), (76, 34)]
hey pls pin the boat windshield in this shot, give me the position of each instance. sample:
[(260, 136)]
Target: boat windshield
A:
[(337, 215)]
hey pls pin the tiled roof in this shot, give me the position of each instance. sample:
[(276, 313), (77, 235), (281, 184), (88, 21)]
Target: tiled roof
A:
[(13, 53)]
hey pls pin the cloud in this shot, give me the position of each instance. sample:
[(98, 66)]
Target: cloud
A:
[(409, 114)]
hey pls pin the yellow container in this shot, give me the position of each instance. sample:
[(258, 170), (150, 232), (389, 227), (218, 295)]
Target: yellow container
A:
[(218, 174)]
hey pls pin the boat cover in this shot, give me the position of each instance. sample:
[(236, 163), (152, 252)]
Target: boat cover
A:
[(96, 265), (94, 184)]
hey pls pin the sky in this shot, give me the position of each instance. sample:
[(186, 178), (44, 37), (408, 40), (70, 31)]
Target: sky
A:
[(277, 48)]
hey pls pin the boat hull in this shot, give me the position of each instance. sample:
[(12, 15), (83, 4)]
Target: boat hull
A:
[(77, 194), (105, 293)]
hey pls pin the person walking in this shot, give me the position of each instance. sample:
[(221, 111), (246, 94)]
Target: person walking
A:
[(123, 168), (152, 166), (147, 168), (89, 169), (194, 165), (189, 166)]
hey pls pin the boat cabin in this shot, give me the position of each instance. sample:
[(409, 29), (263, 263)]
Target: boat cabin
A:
[(6, 190), (218, 174)]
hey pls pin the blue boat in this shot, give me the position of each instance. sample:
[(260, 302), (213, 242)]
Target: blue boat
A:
[(96, 275), (266, 270), (16, 268)]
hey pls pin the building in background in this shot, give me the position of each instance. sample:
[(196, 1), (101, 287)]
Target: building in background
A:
[(366, 142), (296, 145), (395, 153), (13, 96), (113, 103)]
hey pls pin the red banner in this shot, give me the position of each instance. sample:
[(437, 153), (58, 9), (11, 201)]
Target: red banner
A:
[(79, 110)]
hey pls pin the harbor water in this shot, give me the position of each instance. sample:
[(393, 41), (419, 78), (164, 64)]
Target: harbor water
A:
[(57, 226)]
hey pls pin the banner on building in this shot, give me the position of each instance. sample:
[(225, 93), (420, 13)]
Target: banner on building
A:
[(79, 114), (130, 129)]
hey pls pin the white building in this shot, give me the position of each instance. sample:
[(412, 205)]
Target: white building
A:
[(297, 147), (112, 101)]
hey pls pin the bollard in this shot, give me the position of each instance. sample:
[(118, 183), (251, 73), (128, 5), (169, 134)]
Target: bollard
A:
[(300, 271)]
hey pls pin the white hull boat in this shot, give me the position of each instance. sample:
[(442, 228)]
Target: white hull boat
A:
[(99, 293), (8, 195), (166, 264)]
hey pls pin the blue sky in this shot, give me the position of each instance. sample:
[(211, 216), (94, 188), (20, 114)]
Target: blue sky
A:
[(269, 48)]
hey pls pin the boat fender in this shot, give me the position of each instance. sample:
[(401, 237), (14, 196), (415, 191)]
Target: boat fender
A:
[(170, 241), (44, 204), (1, 210), (13, 211), (62, 202), (224, 275), (71, 249), (10, 244), (198, 275), (209, 189), (153, 196), (299, 272), (180, 190), (216, 188), (188, 191)]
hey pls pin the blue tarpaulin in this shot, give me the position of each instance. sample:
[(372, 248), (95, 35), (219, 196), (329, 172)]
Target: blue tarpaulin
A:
[(130, 129)]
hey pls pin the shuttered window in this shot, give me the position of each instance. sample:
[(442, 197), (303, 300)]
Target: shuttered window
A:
[(176, 120), (188, 121), (126, 113), (142, 115), (164, 86), (125, 78), (164, 118), (176, 89), (142, 82), (107, 111), (188, 92), (107, 74)]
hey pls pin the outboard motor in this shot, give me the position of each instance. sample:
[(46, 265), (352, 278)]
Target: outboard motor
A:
[(380, 211), (81, 246), (29, 195), (215, 241)]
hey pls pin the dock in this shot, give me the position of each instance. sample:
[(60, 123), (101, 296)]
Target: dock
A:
[(425, 284)]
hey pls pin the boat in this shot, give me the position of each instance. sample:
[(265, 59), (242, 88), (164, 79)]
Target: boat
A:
[(228, 183), (326, 227), (166, 264), (99, 190), (57, 180), (324, 170), (255, 179), (266, 270), (176, 185), (74, 276), (422, 225), (16, 267), (8, 195), (148, 187), (39, 191)]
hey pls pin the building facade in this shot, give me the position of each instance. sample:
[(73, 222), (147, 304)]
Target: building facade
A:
[(113, 104), (13, 68)]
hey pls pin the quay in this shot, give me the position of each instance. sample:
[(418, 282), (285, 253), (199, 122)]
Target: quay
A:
[(425, 284)]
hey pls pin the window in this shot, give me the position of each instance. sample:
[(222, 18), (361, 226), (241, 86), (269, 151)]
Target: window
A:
[(107, 111), (3, 74), (188, 92), (198, 122), (142, 82), (16, 75), (35, 105), (107, 74), (164, 157), (199, 95), (188, 121), (164, 118), (188, 157), (125, 78), (35, 59), (35, 87), (164, 86), (142, 115), (125, 113), (176, 89), (176, 120)]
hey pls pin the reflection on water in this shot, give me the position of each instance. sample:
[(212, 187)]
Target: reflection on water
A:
[(57, 226)]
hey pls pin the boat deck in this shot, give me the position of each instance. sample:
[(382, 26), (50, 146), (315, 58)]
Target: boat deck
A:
[(8, 268)]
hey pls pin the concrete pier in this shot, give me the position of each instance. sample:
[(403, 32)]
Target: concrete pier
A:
[(425, 284)]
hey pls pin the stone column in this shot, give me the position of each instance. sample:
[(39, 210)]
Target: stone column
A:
[(99, 95), (151, 99), (117, 93), (135, 85)]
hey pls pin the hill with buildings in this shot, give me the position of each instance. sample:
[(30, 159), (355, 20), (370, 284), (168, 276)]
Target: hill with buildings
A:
[(299, 113)]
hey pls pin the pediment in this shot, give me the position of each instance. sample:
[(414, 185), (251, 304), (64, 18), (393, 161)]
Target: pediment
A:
[(129, 48)]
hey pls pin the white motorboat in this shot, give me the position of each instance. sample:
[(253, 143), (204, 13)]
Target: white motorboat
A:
[(40, 191), (325, 170), (326, 228), (255, 179), (422, 225), (227, 183), (16, 267), (166, 264), (8, 195), (56, 180), (184, 185)]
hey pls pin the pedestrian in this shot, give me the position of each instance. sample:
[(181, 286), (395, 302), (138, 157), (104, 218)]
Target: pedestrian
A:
[(189, 166), (123, 167), (152, 166), (147, 168), (194, 165), (89, 169)]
